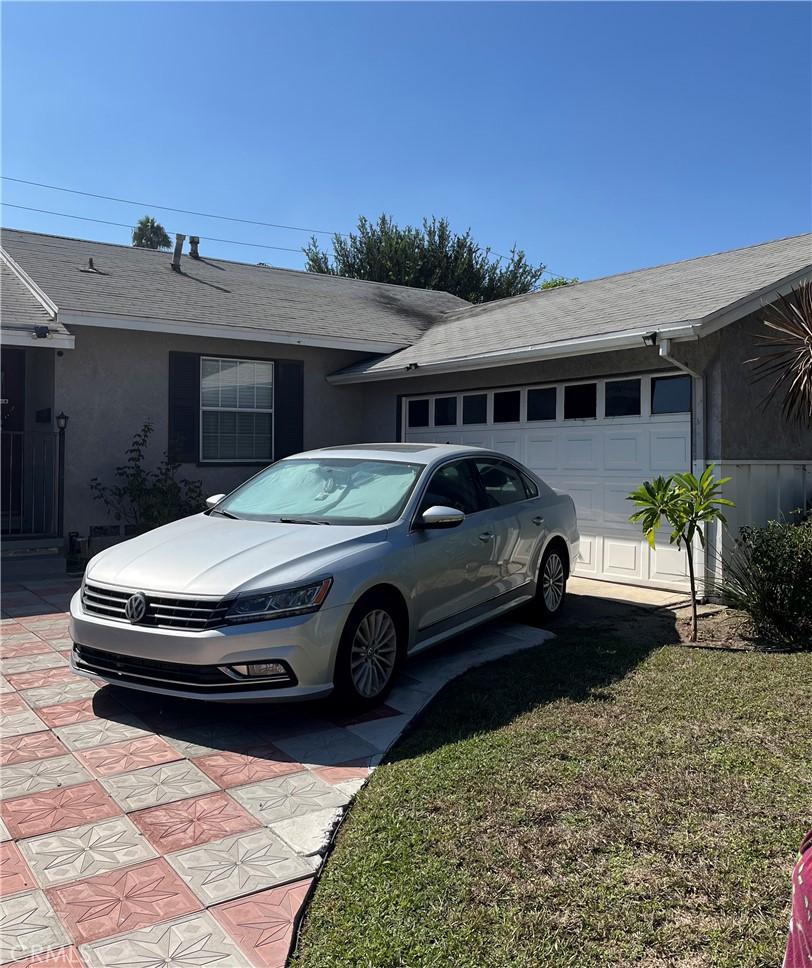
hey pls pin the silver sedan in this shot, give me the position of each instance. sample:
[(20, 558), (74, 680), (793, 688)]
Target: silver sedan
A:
[(322, 573)]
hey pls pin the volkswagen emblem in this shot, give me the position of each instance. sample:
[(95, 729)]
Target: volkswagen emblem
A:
[(136, 607)]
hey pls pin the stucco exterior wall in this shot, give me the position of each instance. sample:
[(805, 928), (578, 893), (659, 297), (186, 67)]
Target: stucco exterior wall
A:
[(115, 380), (749, 429), (380, 399)]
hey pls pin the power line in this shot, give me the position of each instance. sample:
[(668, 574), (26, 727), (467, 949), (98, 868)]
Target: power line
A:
[(124, 225), (168, 208)]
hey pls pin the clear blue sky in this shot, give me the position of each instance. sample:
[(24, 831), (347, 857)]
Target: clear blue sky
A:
[(600, 137)]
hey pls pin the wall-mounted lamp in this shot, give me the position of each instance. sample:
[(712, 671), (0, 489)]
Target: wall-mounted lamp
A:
[(411, 366), (650, 339), (40, 332), (62, 420)]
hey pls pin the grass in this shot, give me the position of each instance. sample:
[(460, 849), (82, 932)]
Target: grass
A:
[(598, 801)]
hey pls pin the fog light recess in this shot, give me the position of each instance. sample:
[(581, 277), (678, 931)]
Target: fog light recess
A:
[(260, 670)]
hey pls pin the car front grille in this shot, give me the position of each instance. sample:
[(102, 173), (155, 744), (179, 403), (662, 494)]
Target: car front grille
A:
[(181, 676), (191, 614)]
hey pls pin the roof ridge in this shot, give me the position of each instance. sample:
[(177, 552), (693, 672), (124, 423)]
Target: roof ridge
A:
[(536, 293), (249, 265)]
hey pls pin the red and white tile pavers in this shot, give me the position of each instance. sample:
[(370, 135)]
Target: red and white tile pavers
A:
[(136, 829)]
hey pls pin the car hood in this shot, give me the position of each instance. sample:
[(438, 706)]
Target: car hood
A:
[(212, 555)]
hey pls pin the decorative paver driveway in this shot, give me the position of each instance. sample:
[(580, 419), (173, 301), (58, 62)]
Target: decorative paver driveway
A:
[(138, 830)]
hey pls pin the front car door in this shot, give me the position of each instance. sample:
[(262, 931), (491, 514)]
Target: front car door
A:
[(449, 564)]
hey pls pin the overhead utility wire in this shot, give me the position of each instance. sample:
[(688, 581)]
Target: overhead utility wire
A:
[(168, 208), (124, 225)]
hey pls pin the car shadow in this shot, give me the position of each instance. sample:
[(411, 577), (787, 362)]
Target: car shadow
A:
[(597, 642)]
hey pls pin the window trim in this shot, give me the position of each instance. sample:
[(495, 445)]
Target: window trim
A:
[(221, 461)]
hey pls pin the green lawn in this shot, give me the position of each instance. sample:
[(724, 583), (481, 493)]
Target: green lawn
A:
[(598, 801)]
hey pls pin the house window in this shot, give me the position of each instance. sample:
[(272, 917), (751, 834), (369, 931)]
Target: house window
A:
[(418, 413), (445, 411), (670, 394), (541, 404), (506, 406), (580, 401), (622, 398), (236, 410), (475, 408)]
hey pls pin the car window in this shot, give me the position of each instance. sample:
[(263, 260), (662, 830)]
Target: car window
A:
[(501, 482), (453, 486)]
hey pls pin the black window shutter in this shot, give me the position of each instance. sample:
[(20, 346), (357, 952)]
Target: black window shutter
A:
[(288, 424), (184, 407)]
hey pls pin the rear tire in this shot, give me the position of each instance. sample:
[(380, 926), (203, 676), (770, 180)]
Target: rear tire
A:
[(551, 588), (369, 654)]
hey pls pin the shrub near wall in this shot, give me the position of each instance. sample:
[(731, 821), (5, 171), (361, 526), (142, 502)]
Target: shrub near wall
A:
[(770, 577)]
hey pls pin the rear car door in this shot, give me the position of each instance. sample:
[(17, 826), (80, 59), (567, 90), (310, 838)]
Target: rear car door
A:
[(450, 564), (515, 515)]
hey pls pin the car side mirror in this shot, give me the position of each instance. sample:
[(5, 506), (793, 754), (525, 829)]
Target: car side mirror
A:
[(214, 500), (441, 517)]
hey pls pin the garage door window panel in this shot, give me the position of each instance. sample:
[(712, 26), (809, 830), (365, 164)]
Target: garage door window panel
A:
[(670, 394), (622, 398), (541, 403), (418, 413), (475, 408), (581, 401), (445, 411), (507, 406)]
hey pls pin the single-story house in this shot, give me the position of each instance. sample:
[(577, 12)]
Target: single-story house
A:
[(596, 386)]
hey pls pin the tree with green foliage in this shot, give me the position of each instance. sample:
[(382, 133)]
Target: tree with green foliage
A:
[(687, 503), (149, 234), (429, 257)]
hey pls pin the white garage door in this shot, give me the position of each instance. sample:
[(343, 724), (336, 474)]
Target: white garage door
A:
[(597, 440)]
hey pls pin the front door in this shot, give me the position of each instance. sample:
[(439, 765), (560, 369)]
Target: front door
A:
[(450, 562), (12, 422)]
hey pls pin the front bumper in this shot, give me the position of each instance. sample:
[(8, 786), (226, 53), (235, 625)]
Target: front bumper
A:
[(156, 659)]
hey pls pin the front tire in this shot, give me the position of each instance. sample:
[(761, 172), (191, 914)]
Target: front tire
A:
[(368, 655), (551, 589)]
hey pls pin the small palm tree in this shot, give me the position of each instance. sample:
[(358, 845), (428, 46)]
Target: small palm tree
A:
[(149, 234), (789, 358), (687, 503)]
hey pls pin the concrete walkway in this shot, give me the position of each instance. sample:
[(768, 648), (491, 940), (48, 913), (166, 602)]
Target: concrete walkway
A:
[(142, 830)]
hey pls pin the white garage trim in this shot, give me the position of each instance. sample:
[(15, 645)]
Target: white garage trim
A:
[(598, 460)]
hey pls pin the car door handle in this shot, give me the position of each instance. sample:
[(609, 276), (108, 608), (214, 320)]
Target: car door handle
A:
[(538, 519), (486, 536)]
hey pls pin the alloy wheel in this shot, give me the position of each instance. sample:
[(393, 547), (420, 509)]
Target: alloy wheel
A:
[(552, 582), (374, 653)]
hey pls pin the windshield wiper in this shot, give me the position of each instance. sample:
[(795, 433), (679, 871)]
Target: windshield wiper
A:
[(225, 514), (301, 521)]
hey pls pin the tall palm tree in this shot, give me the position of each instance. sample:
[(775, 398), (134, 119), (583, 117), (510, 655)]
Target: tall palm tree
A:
[(788, 360), (149, 234)]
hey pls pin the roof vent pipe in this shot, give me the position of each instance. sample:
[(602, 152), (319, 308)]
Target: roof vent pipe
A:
[(194, 242), (179, 240)]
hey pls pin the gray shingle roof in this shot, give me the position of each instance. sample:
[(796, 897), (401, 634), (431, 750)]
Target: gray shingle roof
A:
[(647, 299), (19, 307), (139, 283)]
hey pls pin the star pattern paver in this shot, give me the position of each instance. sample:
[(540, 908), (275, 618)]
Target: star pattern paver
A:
[(59, 692), (18, 720), (41, 678), (29, 746), (127, 756), (239, 865), (262, 924), (289, 796), (65, 713), (83, 851), (188, 823), (196, 941), (233, 769), (42, 775), (99, 732), (157, 784), (57, 809), (28, 925), (120, 901), (14, 873)]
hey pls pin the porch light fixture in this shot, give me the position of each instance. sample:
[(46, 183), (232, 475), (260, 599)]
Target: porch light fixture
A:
[(650, 339), (61, 420)]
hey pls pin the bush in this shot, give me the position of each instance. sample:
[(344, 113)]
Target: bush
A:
[(146, 499), (770, 577)]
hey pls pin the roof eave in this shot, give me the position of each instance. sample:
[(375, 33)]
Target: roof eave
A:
[(527, 354)]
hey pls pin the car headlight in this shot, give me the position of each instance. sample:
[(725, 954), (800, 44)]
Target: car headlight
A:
[(255, 606)]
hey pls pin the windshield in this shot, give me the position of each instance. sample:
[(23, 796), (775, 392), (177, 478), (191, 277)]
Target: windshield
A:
[(326, 491)]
